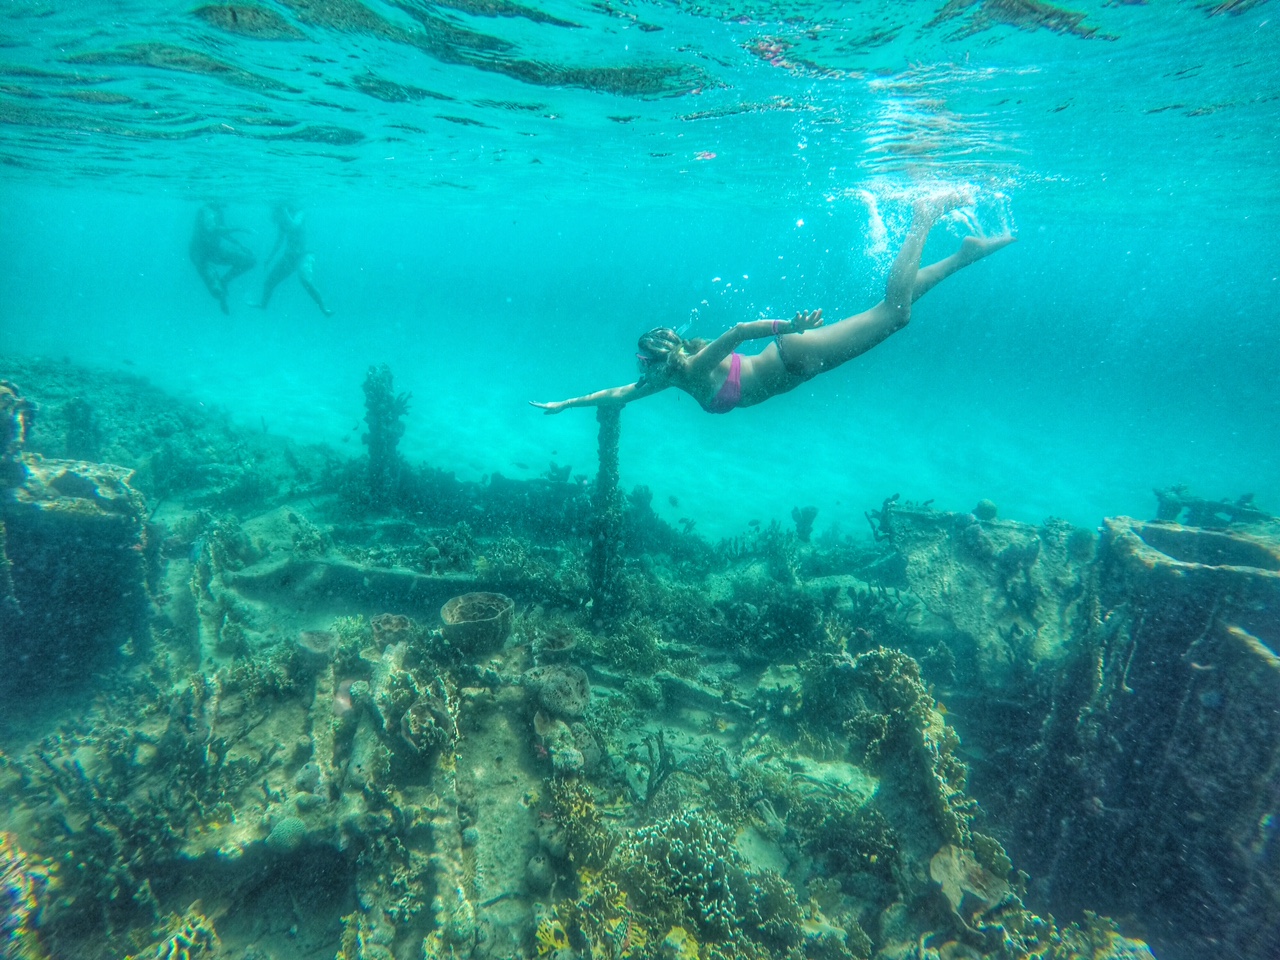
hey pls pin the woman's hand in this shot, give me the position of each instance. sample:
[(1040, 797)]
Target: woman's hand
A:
[(555, 406), (806, 321)]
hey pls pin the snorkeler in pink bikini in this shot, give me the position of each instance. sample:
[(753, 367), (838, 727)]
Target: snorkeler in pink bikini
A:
[(720, 379)]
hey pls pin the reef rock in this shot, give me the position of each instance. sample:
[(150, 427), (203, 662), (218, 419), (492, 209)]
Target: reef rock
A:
[(563, 691)]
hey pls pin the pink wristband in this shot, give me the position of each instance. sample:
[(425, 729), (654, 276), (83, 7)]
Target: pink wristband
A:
[(775, 327)]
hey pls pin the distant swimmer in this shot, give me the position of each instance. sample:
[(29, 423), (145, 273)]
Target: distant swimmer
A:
[(720, 379), (291, 245), (213, 245)]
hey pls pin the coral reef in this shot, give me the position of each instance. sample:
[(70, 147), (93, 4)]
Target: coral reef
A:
[(190, 936), (892, 725), (775, 749), (685, 868)]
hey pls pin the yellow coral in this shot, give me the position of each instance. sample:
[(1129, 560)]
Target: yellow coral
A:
[(551, 936), (591, 884), (192, 936), (588, 881)]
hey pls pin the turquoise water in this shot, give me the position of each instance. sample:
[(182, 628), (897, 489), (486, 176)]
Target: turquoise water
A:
[(502, 197)]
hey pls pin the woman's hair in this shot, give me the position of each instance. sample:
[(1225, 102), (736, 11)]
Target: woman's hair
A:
[(659, 348)]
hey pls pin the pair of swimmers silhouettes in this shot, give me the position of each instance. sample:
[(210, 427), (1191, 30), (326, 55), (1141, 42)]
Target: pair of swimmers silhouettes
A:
[(220, 256), (721, 379)]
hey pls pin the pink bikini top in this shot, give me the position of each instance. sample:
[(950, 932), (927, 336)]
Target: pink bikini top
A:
[(730, 393)]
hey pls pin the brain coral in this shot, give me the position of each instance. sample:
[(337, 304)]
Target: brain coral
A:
[(287, 835)]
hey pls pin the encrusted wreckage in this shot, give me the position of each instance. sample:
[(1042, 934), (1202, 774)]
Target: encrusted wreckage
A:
[(73, 561), (955, 742), (1119, 699)]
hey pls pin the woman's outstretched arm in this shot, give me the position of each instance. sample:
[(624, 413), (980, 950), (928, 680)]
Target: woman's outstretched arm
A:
[(706, 359), (603, 398)]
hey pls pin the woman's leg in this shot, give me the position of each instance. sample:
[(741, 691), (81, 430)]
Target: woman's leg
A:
[(284, 266), (209, 274), (306, 276), (239, 258), (972, 249), (828, 347)]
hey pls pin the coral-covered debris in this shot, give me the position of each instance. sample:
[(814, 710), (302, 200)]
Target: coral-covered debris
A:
[(77, 549), (17, 414), (1171, 714), (384, 409)]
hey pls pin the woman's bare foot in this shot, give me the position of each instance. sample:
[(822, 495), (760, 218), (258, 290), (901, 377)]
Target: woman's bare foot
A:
[(929, 210), (973, 249)]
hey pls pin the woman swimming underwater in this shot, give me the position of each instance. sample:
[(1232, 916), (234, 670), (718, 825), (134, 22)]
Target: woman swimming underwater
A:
[(720, 379)]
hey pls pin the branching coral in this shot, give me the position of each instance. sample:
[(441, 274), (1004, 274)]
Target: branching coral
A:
[(634, 645), (559, 576), (771, 622), (135, 816), (803, 519), (684, 871), (661, 765), (680, 870)]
